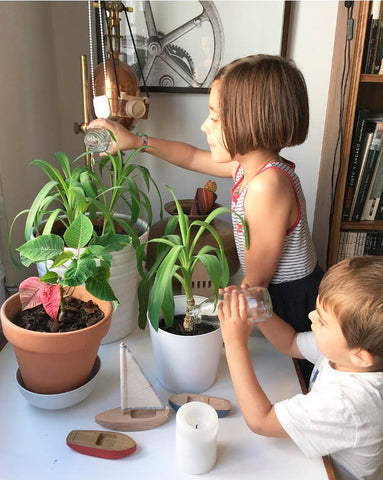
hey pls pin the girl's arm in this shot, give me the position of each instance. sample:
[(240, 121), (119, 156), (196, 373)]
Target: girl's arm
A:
[(177, 153), (256, 408), (270, 210)]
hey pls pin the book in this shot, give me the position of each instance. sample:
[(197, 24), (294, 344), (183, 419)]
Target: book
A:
[(351, 244), (361, 241), (378, 54), (367, 170), (373, 243), (354, 160), (379, 211), (371, 35), (375, 191), (358, 181)]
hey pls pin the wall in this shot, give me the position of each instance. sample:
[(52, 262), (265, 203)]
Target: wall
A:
[(41, 98)]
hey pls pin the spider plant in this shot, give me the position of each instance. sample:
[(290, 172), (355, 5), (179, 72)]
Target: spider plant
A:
[(176, 258), (100, 193)]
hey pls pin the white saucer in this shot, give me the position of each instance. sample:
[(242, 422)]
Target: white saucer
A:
[(55, 401)]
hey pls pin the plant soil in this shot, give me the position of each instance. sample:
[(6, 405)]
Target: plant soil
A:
[(77, 315), (178, 329)]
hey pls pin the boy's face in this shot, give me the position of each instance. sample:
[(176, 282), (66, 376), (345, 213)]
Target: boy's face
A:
[(330, 339), (212, 128)]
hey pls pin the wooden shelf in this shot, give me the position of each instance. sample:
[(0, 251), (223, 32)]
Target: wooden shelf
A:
[(367, 78), (366, 225), (364, 91)]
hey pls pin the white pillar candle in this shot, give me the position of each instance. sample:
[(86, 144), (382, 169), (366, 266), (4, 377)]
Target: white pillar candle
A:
[(196, 437)]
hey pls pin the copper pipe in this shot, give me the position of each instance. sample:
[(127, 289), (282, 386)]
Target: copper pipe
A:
[(85, 92), (85, 103)]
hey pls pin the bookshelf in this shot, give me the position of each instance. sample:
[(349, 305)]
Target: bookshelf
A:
[(364, 91)]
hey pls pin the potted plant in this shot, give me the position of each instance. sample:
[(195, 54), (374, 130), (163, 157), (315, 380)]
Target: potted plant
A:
[(58, 347), (101, 193), (175, 344)]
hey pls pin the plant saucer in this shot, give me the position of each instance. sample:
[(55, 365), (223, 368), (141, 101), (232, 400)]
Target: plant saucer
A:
[(55, 401)]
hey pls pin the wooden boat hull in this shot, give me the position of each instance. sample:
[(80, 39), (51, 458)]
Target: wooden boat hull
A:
[(132, 420), (221, 405), (97, 443)]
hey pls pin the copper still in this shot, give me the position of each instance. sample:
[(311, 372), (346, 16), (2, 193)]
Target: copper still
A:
[(121, 85)]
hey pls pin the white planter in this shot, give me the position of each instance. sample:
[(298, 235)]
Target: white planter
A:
[(124, 279), (186, 364)]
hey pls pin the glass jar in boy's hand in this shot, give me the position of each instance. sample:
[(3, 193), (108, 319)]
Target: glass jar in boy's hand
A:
[(259, 306)]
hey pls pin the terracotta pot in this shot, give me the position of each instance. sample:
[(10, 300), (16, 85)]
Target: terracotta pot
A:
[(186, 363), (55, 362)]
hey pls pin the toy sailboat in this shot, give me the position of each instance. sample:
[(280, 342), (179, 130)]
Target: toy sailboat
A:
[(101, 444), (140, 409)]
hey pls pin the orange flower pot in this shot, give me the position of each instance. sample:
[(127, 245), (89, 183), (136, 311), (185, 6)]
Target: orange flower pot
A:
[(55, 362)]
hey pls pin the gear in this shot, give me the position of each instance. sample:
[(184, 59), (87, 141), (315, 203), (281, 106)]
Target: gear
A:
[(182, 57)]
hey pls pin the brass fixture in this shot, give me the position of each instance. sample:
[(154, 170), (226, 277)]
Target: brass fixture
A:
[(122, 86)]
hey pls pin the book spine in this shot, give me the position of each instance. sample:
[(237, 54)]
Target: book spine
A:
[(368, 172), (379, 210), (375, 190), (379, 44), (371, 36), (354, 161), (366, 149)]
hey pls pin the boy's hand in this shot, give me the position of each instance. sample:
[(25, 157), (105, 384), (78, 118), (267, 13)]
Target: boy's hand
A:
[(232, 314)]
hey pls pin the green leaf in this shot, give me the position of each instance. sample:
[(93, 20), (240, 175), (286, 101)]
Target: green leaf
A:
[(101, 252), (36, 206), (98, 285), (79, 232), (44, 247), (113, 242), (50, 277), (143, 300), (161, 283), (62, 258), (79, 271)]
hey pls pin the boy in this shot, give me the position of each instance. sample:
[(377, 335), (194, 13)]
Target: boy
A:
[(342, 413)]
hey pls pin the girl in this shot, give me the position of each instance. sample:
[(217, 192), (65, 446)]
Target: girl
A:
[(257, 106)]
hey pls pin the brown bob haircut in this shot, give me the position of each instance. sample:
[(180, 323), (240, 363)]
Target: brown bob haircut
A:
[(353, 290), (263, 104)]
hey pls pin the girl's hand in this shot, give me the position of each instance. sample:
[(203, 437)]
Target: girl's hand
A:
[(232, 314), (126, 140)]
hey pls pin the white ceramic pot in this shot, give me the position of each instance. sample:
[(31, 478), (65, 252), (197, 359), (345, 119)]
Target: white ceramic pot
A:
[(124, 279), (186, 364)]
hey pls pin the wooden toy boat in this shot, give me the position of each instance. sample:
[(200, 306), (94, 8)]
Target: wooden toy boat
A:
[(101, 444), (140, 409), (132, 420), (221, 405)]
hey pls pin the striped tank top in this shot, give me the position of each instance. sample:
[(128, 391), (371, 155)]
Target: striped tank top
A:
[(298, 258)]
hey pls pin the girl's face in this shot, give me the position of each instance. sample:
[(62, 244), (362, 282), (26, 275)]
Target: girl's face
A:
[(212, 128)]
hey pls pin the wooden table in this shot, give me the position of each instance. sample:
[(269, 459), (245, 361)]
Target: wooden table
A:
[(32, 440)]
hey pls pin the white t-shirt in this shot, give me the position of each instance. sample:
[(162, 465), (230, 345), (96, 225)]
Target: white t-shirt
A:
[(341, 416)]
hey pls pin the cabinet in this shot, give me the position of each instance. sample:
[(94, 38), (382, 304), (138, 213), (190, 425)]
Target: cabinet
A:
[(364, 91)]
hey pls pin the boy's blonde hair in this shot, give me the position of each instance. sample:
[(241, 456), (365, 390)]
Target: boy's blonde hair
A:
[(263, 104), (353, 291)]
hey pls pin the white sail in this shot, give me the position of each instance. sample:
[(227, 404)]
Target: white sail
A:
[(137, 393)]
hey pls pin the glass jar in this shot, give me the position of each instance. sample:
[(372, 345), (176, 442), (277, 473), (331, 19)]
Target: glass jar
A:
[(258, 300), (97, 140)]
